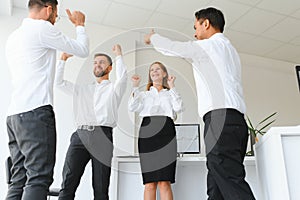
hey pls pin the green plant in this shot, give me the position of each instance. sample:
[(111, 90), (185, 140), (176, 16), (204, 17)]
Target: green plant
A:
[(260, 128)]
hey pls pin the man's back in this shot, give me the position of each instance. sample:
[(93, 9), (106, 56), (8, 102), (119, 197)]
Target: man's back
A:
[(32, 65)]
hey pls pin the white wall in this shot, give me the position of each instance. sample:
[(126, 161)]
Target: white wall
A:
[(269, 86)]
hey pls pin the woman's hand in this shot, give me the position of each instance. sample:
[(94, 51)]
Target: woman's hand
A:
[(171, 80), (136, 79)]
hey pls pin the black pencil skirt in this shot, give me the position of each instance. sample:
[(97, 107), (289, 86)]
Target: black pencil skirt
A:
[(157, 149)]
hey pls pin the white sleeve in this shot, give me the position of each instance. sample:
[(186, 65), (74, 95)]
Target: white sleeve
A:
[(121, 74), (59, 82), (176, 100), (168, 47), (51, 37), (135, 103)]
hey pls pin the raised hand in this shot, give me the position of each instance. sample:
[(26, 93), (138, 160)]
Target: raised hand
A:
[(171, 80), (148, 36), (76, 17), (117, 50), (65, 56), (136, 79)]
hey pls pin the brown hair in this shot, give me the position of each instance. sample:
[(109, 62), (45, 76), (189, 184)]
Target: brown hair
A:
[(105, 55), (41, 3), (165, 79)]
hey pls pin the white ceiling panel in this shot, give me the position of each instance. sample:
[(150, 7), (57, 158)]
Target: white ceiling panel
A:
[(126, 17), (146, 4), (260, 46), (295, 41), (93, 13), (247, 2), (238, 39), (287, 52), (296, 14), (231, 10), (184, 9), (285, 31), (285, 7), (256, 21), (163, 20)]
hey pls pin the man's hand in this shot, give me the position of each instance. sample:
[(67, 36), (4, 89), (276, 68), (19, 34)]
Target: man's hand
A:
[(171, 80), (76, 17), (136, 79), (117, 50), (148, 36), (65, 56)]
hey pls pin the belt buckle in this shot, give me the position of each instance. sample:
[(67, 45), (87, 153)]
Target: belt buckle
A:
[(90, 128)]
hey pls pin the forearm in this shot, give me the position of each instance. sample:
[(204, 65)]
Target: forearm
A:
[(177, 103), (134, 104), (172, 48), (55, 39), (59, 82)]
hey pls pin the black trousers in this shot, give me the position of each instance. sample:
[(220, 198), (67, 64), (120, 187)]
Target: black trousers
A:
[(226, 136), (95, 145), (32, 145)]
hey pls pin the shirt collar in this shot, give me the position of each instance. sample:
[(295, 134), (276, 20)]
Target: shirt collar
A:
[(102, 82), (152, 88)]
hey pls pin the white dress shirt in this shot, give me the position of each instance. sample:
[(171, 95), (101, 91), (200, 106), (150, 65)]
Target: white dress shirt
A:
[(31, 56), (95, 104), (216, 67), (154, 103)]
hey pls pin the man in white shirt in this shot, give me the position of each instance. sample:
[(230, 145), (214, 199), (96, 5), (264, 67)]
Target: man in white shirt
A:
[(217, 73), (96, 114), (31, 55)]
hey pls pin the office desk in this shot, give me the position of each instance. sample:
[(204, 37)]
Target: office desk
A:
[(190, 178)]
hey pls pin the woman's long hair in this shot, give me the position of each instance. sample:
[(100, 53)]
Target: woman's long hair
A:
[(165, 79)]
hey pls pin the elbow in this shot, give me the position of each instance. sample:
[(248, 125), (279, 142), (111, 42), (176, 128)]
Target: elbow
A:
[(85, 53), (178, 108)]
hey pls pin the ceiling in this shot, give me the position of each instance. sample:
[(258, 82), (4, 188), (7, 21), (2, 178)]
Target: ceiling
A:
[(267, 28)]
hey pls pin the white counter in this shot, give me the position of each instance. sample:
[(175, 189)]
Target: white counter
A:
[(126, 180), (278, 161)]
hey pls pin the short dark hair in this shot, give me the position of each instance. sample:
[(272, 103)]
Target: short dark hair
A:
[(105, 55), (214, 16), (41, 3)]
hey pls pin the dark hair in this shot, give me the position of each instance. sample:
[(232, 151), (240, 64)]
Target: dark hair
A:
[(165, 79), (41, 3), (214, 16), (102, 54)]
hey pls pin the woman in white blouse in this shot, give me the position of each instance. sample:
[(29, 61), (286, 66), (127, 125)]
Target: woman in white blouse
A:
[(157, 144)]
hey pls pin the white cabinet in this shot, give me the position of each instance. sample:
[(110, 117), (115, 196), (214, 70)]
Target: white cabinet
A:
[(190, 178), (278, 161)]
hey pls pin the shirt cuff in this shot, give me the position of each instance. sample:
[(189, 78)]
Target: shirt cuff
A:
[(61, 63), (80, 29), (174, 92)]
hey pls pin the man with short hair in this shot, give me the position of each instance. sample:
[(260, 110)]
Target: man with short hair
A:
[(31, 55), (217, 73), (96, 113)]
